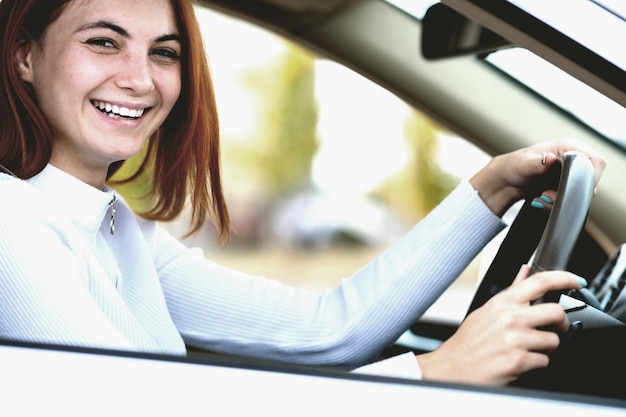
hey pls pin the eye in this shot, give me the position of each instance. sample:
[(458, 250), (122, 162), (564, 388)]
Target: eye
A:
[(101, 42), (166, 53)]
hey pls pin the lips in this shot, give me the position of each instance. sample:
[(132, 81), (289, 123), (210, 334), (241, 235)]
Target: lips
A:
[(115, 111)]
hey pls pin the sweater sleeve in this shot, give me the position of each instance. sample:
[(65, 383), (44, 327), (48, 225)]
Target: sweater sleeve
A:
[(226, 311)]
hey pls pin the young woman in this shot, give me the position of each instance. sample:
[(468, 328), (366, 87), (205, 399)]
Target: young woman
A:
[(88, 84)]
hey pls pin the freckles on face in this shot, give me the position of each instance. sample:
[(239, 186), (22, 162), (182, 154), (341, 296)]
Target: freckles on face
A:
[(106, 76)]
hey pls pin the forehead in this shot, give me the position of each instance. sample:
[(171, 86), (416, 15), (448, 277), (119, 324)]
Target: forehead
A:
[(149, 17)]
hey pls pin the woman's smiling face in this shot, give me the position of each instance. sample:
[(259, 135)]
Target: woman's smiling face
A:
[(106, 75)]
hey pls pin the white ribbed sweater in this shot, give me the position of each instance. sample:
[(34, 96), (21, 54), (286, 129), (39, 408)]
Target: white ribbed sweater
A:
[(64, 279)]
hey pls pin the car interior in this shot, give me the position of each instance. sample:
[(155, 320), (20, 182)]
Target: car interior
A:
[(445, 63)]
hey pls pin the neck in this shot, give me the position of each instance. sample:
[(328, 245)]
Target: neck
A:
[(93, 176)]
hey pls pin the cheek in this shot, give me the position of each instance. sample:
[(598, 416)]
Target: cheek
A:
[(51, 93), (57, 81)]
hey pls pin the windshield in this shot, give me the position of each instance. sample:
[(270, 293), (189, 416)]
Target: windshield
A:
[(573, 96), (579, 100)]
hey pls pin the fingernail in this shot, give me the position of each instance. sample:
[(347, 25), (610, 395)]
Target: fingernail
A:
[(546, 199), (582, 281), (537, 204)]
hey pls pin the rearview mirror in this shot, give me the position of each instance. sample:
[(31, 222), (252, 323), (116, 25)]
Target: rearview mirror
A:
[(447, 33)]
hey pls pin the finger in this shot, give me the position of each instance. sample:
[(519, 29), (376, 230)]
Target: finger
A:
[(540, 283), (522, 273), (548, 159), (551, 194), (534, 360), (543, 316), (597, 161), (541, 161), (598, 165), (545, 201), (536, 340)]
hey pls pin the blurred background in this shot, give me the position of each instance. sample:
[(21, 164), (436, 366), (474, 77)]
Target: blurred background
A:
[(322, 168)]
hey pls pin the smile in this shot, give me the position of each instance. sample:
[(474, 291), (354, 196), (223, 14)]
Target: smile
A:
[(115, 111)]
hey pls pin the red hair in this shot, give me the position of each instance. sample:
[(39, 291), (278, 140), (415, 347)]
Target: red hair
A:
[(183, 155)]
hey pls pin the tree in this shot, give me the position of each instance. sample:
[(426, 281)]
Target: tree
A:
[(279, 156), (422, 184)]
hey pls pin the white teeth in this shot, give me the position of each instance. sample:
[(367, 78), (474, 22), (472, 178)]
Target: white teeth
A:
[(116, 111)]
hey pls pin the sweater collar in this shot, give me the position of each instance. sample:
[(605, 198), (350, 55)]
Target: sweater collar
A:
[(84, 205)]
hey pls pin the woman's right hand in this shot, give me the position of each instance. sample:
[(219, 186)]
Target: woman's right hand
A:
[(506, 337)]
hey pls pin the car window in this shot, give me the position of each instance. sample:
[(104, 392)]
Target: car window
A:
[(599, 25), (573, 96), (323, 169)]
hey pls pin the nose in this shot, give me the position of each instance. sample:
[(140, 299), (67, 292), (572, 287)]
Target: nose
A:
[(135, 74)]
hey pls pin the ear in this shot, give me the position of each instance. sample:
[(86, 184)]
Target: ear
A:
[(23, 60)]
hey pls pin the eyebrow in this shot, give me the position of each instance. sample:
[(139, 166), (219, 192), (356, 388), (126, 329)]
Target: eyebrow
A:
[(103, 24), (169, 37)]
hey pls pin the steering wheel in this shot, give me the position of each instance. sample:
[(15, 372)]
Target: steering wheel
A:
[(594, 348), (552, 235)]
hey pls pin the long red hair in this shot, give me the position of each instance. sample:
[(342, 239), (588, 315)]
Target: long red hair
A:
[(183, 156)]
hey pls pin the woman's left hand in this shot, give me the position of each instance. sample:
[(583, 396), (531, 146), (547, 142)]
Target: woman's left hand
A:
[(506, 178)]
